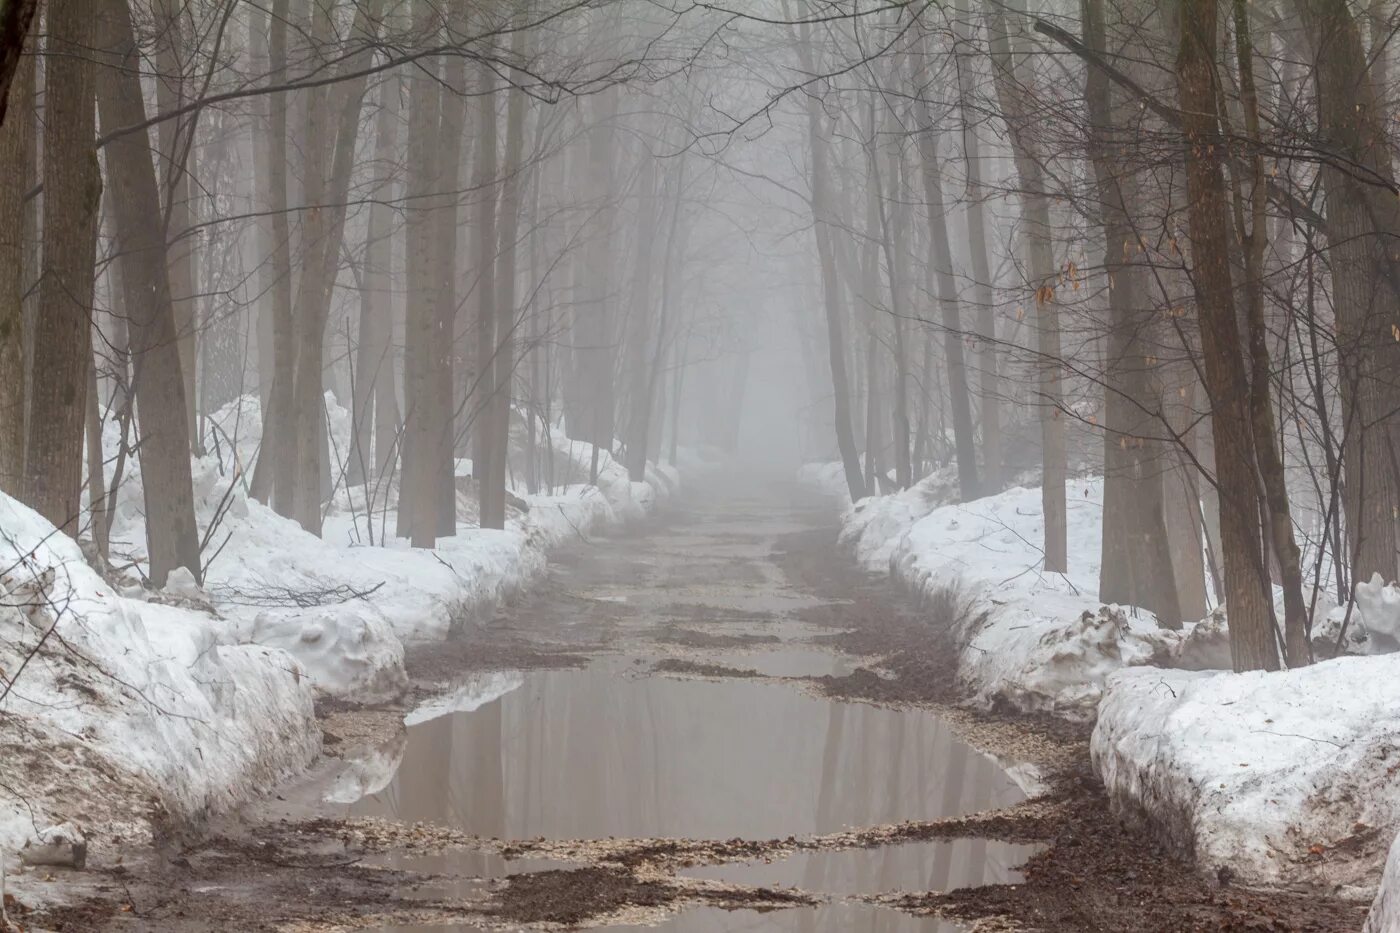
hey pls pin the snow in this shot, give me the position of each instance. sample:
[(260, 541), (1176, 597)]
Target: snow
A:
[(874, 526), (345, 604), (1385, 910), (827, 479), (199, 698), (128, 700), (1379, 605), (1279, 777), (1030, 640)]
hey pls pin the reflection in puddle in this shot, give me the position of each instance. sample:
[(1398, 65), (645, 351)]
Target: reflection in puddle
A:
[(588, 754), (912, 866), (832, 918)]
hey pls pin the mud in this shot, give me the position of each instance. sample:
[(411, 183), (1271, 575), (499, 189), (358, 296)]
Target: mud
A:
[(721, 725)]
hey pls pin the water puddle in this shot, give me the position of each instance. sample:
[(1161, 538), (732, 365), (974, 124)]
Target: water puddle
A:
[(912, 866), (590, 754), (831, 918)]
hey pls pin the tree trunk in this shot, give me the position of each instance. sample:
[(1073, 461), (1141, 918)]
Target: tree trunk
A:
[(941, 260), (820, 180), (16, 157), (1362, 224), (507, 317), (989, 378), (441, 346), (373, 359), (1136, 564), (276, 469), (176, 140), (172, 537), (1009, 80), (1268, 458), (333, 118), (491, 506), (62, 342), (1253, 644), (416, 515)]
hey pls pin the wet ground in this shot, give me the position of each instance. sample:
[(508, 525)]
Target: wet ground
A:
[(712, 725)]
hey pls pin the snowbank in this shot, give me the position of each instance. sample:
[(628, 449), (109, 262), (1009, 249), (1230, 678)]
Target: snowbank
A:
[(344, 604), (121, 712), (875, 525), (1278, 778), (826, 479), (1034, 641), (126, 710), (1385, 910)]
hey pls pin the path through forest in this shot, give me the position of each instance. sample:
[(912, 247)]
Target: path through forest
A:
[(676, 732)]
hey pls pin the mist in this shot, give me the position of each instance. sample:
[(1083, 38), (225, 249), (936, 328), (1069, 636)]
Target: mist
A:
[(795, 465)]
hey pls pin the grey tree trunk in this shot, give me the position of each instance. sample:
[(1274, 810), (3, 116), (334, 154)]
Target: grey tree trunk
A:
[(62, 343), (989, 353), (1136, 565), (1253, 642), (822, 215), (941, 260), (16, 159), (373, 355), (172, 537)]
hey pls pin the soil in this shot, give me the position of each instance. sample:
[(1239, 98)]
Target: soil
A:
[(288, 869)]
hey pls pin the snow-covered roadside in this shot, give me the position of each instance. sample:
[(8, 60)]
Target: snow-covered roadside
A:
[(1285, 778), (1273, 778), (122, 713), (1029, 640), (345, 604), (142, 711)]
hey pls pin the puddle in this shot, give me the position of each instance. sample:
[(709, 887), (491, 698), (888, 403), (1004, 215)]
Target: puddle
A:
[(912, 866), (832, 918), (588, 754)]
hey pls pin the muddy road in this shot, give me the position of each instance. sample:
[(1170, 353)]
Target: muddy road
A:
[(712, 725)]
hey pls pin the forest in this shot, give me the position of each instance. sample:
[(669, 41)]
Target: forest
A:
[(467, 453)]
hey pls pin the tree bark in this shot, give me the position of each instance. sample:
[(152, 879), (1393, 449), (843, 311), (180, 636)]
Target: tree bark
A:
[(16, 19), (175, 136), (62, 341), (820, 180), (276, 470), (988, 357), (1136, 566), (172, 537), (16, 157), (1362, 224), (941, 260), (373, 354), (416, 495), (490, 505), (1010, 81), (1268, 458), (1253, 644)]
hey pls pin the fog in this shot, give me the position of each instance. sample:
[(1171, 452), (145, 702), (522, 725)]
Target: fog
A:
[(398, 395)]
